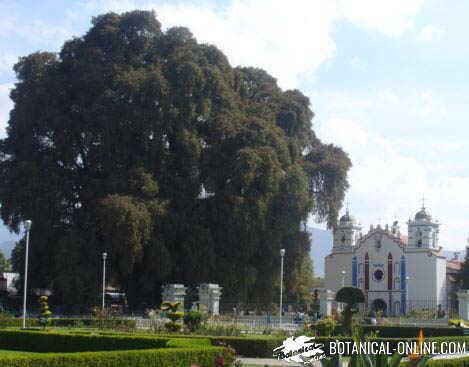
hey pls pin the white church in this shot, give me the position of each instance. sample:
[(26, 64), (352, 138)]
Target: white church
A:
[(397, 273)]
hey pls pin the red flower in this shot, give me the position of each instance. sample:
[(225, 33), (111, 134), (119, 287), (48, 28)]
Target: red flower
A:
[(220, 361)]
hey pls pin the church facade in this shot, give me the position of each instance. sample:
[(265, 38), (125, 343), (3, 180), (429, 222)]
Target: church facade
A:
[(396, 273)]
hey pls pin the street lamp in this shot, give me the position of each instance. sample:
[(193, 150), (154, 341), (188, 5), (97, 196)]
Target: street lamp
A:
[(104, 277), (282, 255), (27, 228)]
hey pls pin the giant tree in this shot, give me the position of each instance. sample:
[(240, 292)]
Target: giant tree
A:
[(148, 145)]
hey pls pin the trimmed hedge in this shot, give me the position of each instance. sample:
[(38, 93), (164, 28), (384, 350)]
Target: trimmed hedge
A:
[(71, 322), (177, 357), (36, 341), (263, 347), (187, 343), (411, 331)]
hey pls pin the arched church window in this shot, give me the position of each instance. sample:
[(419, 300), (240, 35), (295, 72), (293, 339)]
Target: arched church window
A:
[(397, 281), (343, 239), (360, 268), (396, 268)]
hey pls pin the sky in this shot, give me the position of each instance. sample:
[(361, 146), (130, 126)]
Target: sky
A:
[(387, 81)]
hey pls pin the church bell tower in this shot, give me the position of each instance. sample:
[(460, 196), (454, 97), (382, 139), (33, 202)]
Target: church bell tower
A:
[(423, 230), (346, 233)]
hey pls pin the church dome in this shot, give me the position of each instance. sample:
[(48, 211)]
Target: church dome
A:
[(422, 214), (347, 218)]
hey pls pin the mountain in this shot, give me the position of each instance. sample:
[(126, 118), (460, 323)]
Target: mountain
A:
[(6, 248), (321, 245)]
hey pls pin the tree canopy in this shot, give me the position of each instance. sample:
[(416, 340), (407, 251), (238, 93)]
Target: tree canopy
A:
[(150, 146)]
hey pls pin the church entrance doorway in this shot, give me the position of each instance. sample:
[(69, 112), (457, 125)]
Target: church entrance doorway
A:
[(379, 305)]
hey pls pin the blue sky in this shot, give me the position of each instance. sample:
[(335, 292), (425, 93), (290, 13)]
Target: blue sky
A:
[(387, 80)]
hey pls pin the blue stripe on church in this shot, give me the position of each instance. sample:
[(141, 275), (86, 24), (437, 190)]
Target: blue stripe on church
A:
[(403, 286), (354, 272)]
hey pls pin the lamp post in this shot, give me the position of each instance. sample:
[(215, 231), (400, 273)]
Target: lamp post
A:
[(282, 255), (27, 228), (104, 277)]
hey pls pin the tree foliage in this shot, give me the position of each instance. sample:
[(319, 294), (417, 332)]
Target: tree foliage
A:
[(4, 263), (150, 146), (351, 296)]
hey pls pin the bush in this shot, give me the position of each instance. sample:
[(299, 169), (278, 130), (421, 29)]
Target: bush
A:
[(173, 315), (325, 326), (262, 347), (193, 320), (36, 341), (71, 322), (171, 357), (350, 295)]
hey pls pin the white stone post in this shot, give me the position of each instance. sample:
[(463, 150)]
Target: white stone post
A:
[(174, 293), (463, 298), (209, 295), (326, 299)]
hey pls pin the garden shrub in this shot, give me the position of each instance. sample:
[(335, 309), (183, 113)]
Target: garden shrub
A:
[(351, 296), (262, 347), (71, 322), (177, 357), (188, 342), (36, 341), (193, 320), (325, 326), (45, 312), (172, 307)]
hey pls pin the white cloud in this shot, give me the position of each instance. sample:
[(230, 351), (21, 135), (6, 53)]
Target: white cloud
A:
[(431, 33), (387, 181), (7, 60), (392, 18), (289, 40), (342, 132), (388, 97), (447, 147), (5, 106)]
